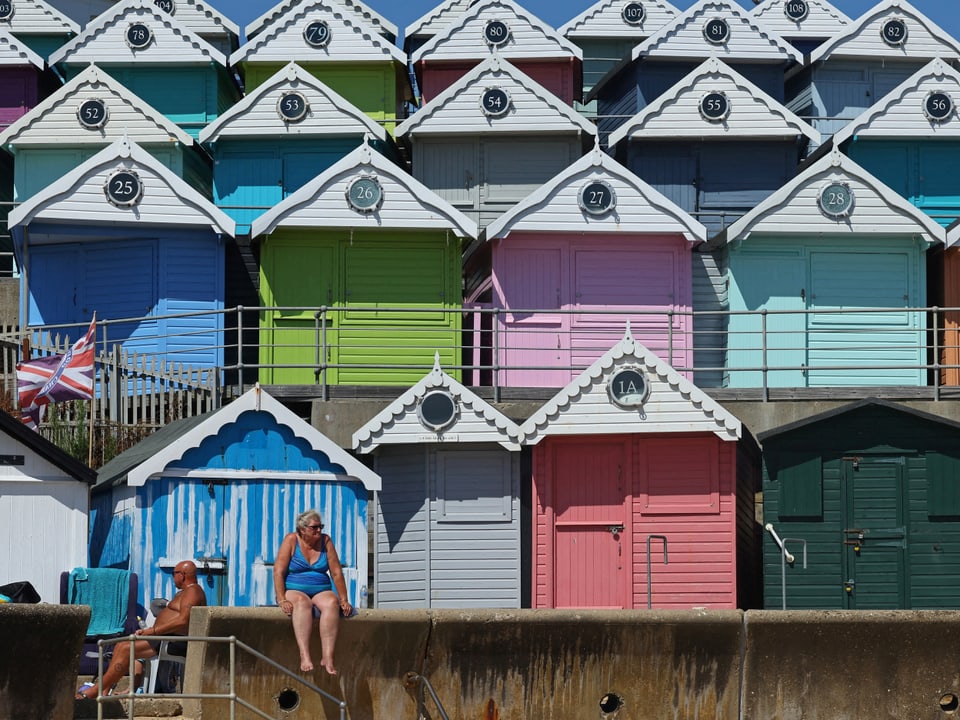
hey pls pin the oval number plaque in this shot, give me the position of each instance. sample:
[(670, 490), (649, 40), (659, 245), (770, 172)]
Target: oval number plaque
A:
[(628, 388), (716, 31), (714, 106), (836, 199), (437, 410), (796, 10), (292, 106), (496, 33), (317, 34), (92, 113), (6, 9), (365, 194), (138, 36), (123, 188), (938, 106), (894, 31), (597, 198), (633, 13), (168, 6), (495, 102)]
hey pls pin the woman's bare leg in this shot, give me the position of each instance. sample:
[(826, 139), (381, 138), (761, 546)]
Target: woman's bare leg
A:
[(329, 606), (302, 618)]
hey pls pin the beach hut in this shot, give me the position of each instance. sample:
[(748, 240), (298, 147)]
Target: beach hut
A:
[(448, 516), (41, 487), (866, 492), (832, 270), (160, 60), (709, 28), (431, 23), (40, 25), (335, 44), (363, 13), (865, 60), (222, 489), (504, 29), (643, 491), (360, 277), (803, 23), (284, 133), (123, 237), (492, 138), (24, 80), (85, 115), (591, 249)]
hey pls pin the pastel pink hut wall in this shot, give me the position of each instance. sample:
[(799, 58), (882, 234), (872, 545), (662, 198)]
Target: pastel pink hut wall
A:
[(561, 76), (635, 277)]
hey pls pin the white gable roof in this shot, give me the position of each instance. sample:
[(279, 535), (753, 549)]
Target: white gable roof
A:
[(862, 38), (399, 424), (554, 206), (901, 112), (104, 42), (436, 18), (15, 52), (55, 120), (38, 17), (254, 400), (676, 112), (821, 21), (457, 110), (674, 404), (351, 39), (203, 19), (794, 208), (462, 38), (407, 203), (604, 19), (953, 234), (79, 198), (256, 115), (684, 38), (365, 14)]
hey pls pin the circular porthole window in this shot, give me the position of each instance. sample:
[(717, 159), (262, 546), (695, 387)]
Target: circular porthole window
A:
[(6, 9), (92, 113), (628, 388), (168, 6), (138, 36), (714, 106), (292, 107), (123, 188), (317, 34), (836, 199), (938, 106), (716, 31), (365, 194), (597, 198), (495, 102), (496, 33), (796, 10), (633, 13), (437, 410), (894, 31)]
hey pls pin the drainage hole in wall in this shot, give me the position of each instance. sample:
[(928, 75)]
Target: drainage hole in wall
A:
[(949, 702), (611, 702), (288, 699)]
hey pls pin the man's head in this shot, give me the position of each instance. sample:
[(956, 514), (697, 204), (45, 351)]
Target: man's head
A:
[(185, 573)]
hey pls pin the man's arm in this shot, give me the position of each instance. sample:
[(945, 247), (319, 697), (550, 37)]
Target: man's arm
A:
[(177, 621)]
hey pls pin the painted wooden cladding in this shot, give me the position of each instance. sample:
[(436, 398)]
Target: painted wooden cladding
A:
[(355, 273), (448, 527), (679, 486), (604, 19), (20, 90), (950, 354), (710, 301), (560, 77), (823, 20)]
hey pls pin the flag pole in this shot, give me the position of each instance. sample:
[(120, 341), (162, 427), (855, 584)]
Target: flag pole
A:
[(93, 395)]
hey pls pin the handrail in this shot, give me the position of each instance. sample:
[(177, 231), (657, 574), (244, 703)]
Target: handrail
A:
[(231, 696), (414, 678), (769, 528), (786, 557), (665, 562)]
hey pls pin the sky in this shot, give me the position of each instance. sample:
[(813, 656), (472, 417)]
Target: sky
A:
[(945, 13)]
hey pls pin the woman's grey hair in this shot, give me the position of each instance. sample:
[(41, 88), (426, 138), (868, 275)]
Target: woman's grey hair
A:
[(304, 518)]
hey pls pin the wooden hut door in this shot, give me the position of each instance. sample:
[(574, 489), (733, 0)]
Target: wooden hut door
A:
[(591, 530), (874, 535)]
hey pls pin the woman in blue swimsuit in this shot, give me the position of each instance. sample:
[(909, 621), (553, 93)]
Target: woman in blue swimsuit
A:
[(305, 574)]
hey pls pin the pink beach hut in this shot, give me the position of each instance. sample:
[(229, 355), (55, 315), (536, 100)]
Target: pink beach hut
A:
[(591, 249), (642, 492)]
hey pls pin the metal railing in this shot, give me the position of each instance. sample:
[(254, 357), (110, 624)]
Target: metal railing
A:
[(420, 682), (230, 696)]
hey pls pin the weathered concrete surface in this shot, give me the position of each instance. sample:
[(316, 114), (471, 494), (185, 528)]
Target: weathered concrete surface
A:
[(846, 665), (40, 658)]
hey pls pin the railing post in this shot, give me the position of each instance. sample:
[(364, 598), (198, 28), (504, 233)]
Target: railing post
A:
[(495, 359), (935, 319), (765, 390), (240, 347), (324, 391), (670, 314)]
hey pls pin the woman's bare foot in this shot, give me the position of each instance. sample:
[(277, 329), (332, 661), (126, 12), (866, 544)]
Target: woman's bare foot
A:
[(306, 665), (328, 666)]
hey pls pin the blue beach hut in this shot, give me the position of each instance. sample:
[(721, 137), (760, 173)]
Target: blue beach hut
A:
[(222, 489), (40, 25), (805, 24)]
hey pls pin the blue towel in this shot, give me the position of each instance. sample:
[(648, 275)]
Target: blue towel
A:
[(107, 592)]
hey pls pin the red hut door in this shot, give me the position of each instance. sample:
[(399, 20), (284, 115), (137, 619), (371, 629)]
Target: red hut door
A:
[(591, 533)]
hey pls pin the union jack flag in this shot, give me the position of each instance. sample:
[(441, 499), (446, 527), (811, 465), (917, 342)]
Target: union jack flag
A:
[(57, 378)]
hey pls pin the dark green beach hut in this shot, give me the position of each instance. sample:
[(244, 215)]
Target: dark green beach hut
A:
[(871, 491)]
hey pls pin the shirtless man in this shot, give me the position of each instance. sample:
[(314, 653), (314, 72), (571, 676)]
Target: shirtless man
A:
[(174, 619)]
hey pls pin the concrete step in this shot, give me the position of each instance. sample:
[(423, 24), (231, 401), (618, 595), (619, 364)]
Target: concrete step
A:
[(119, 708)]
